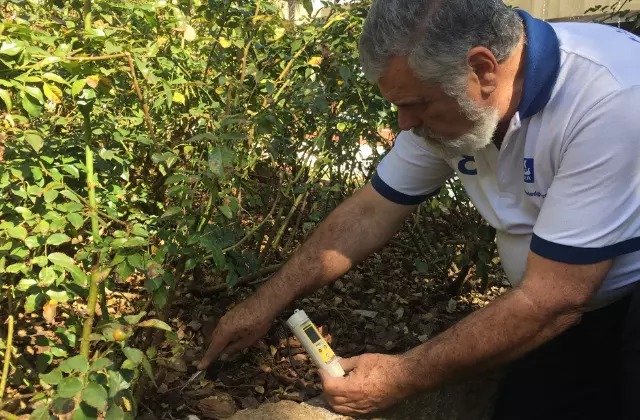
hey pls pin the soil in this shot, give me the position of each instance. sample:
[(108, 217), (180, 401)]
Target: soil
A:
[(384, 305)]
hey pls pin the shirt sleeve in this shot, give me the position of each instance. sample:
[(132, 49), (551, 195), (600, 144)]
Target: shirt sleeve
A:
[(410, 172), (592, 209)]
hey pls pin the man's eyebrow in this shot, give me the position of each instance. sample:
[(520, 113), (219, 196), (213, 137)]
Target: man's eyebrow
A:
[(408, 101)]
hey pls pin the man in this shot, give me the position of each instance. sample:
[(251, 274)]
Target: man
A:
[(541, 124)]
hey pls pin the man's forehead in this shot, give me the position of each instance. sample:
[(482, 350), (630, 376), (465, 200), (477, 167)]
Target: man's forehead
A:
[(398, 82)]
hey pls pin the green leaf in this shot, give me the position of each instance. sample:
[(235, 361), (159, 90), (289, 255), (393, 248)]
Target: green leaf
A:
[(84, 412), (155, 323), (77, 86), (50, 195), (58, 295), (62, 405), (160, 296), (34, 92), (95, 395), (33, 108), (33, 302), (52, 378), (47, 276), (17, 232), (41, 261), (100, 364), (114, 413), (140, 230), (76, 220), (54, 78), (26, 284), (34, 141), (16, 268), (4, 95), (63, 260), (11, 48), (69, 387), (136, 241), (136, 261), (78, 363), (117, 383), (134, 319), (32, 242), (79, 276), (71, 196), (172, 211), (40, 413), (136, 356), (341, 126), (152, 284), (57, 239), (308, 6), (226, 211), (71, 170)]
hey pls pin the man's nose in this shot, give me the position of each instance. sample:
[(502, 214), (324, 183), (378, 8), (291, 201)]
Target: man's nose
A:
[(407, 120)]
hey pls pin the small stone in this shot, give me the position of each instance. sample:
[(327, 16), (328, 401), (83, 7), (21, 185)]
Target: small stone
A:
[(338, 285), (423, 338), (194, 325), (163, 389)]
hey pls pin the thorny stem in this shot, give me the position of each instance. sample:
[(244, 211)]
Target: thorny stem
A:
[(87, 327), (7, 356)]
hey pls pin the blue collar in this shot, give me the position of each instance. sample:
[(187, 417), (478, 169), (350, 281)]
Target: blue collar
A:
[(542, 65)]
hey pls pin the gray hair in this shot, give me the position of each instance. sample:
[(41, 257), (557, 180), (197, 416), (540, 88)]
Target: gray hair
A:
[(436, 36)]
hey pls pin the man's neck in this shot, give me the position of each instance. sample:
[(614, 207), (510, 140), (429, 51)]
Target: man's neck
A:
[(514, 69)]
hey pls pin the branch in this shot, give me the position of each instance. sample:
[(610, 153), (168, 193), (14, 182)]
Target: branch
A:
[(241, 281), (7, 356)]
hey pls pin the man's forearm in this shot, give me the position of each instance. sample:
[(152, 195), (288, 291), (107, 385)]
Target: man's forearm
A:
[(346, 237), (495, 335)]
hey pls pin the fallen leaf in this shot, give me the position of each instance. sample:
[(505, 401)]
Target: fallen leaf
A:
[(217, 406), (365, 313), (451, 305)]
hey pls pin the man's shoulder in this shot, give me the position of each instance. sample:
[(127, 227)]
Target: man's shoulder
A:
[(593, 49)]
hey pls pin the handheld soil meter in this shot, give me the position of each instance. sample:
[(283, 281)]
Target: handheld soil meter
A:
[(313, 343)]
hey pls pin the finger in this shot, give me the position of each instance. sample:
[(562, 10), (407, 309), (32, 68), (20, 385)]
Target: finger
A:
[(350, 411), (218, 344), (350, 363), (332, 385)]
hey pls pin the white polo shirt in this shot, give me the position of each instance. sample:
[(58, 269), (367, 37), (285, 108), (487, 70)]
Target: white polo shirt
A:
[(566, 182)]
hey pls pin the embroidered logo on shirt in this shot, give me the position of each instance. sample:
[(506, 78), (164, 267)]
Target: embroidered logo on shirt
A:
[(529, 176)]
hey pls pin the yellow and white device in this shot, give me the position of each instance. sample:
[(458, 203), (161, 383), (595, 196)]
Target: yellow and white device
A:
[(317, 348)]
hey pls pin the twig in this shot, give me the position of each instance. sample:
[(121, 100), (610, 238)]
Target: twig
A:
[(255, 229), (7, 356), (241, 281)]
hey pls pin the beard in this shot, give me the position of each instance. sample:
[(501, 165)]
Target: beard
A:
[(484, 124)]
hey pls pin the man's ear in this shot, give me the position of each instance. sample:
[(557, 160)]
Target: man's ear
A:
[(484, 68)]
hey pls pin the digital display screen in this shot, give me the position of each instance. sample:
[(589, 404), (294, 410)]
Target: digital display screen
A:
[(312, 334)]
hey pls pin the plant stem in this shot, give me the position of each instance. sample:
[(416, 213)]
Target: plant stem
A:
[(7, 356), (87, 327), (95, 231), (87, 14)]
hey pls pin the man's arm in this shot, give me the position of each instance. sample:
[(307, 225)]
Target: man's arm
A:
[(551, 298), (354, 230)]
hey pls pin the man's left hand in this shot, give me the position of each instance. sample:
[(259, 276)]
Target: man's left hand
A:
[(374, 382)]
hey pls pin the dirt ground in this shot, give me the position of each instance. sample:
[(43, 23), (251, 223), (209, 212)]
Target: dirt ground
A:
[(384, 305)]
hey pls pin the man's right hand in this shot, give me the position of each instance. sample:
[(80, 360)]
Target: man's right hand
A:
[(239, 328)]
